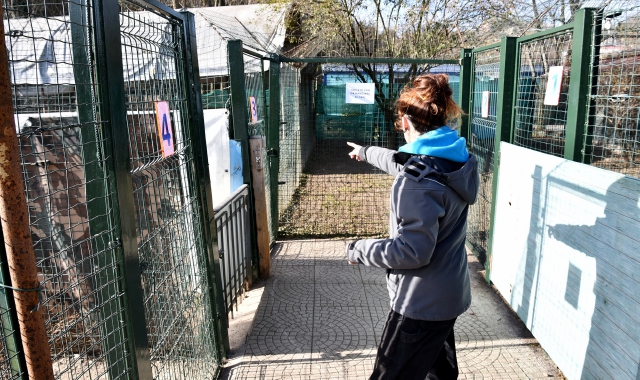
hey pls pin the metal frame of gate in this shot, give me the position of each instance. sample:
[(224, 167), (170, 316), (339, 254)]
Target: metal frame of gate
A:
[(151, 219)]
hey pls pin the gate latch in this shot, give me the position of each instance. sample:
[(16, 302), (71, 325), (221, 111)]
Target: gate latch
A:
[(272, 153)]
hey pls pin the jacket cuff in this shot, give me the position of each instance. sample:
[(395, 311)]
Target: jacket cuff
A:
[(350, 251), (362, 153)]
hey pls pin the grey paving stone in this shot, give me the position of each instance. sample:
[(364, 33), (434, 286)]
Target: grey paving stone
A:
[(372, 275), (341, 294), (320, 318), (345, 274)]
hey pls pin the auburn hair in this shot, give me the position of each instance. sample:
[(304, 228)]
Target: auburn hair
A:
[(427, 102)]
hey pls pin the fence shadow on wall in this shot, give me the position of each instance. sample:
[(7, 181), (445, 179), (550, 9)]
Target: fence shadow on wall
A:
[(569, 268)]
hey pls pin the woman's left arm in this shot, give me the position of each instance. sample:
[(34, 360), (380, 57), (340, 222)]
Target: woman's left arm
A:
[(415, 240), (381, 158)]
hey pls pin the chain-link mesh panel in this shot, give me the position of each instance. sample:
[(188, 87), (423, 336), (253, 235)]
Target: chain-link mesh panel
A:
[(254, 80), (179, 315), (540, 117), (10, 368), (212, 59), (229, 27), (69, 196), (296, 140), (613, 137), (213, 30), (483, 127)]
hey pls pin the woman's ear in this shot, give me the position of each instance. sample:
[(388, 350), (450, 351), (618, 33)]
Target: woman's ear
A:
[(406, 124)]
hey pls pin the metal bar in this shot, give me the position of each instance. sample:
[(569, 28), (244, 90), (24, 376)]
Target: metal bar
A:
[(9, 320), (16, 230), (266, 117), (254, 54), (487, 47), (114, 341), (506, 98), (110, 71), (229, 200), (221, 219), (239, 109), (244, 242), (470, 76), (158, 7), (506, 90), (214, 279), (548, 32), (231, 224), (587, 149), (239, 113), (357, 60), (465, 91), (273, 141), (580, 87)]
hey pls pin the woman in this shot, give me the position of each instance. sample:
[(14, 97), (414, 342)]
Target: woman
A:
[(425, 257)]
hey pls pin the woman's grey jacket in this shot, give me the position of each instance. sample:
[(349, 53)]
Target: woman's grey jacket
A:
[(425, 257)]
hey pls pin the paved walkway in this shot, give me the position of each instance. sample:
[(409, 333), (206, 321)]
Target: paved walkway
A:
[(319, 318)]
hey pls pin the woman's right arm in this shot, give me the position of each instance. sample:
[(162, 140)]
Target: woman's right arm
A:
[(381, 158)]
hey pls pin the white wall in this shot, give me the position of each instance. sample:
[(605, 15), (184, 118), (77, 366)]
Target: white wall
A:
[(216, 125), (566, 255)]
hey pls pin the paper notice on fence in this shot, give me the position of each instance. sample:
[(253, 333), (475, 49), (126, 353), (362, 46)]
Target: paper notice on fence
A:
[(554, 85), (360, 93), (486, 96)]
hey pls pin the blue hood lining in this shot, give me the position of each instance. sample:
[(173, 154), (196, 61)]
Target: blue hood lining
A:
[(443, 142)]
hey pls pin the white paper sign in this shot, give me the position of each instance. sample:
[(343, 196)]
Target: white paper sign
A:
[(486, 95), (554, 85), (360, 93)]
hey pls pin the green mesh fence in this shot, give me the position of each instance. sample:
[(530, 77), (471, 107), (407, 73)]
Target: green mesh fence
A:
[(613, 138), (171, 242), (486, 72), (323, 193), (296, 139), (69, 194), (212, 59), (336, 119), (540, 123), (10, 359)]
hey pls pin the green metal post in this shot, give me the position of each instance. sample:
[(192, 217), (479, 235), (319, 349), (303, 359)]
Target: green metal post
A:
[(465, 91), (580, 86), (9, 320), (506, 96), (239, 111), (273, 138), (96, 194), (112, 99), (239, 130), (214, 277)]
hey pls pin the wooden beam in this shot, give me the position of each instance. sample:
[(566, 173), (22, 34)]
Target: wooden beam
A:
[(256, 145)]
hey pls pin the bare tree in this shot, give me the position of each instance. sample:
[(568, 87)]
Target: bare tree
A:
[(427, 29)]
